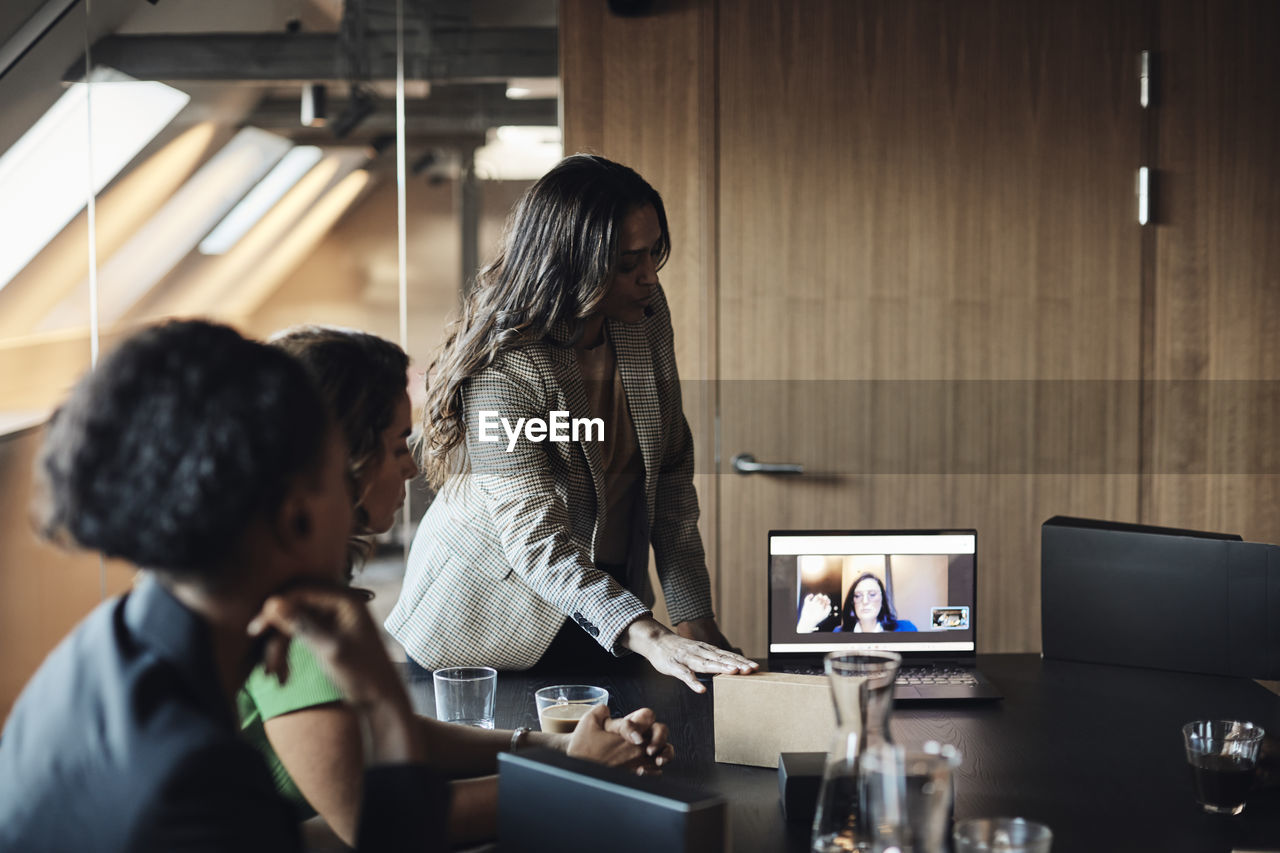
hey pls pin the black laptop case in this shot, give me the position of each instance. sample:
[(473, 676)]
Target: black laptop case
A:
[(1158, 597)]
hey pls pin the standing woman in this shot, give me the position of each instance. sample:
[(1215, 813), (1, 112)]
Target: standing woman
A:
[(535, 551)]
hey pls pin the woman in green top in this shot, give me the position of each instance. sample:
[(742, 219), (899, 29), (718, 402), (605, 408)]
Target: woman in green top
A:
[(310, 738)]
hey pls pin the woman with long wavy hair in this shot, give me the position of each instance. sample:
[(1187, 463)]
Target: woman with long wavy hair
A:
[(535, 550)]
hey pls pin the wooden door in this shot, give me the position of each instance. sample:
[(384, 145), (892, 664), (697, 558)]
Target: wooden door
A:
[(641, 91), (930, 280), (1215, 399)]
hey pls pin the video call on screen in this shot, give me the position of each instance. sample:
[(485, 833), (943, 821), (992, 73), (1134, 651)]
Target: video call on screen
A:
[(875, 598)]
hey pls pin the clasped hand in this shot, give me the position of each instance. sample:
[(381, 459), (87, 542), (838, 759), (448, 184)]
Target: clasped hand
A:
[(637, 741)]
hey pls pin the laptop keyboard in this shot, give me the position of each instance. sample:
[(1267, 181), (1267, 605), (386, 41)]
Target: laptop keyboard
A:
[(917, 675), (913, 676)]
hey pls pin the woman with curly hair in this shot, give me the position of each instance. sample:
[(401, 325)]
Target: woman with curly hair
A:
[(211, 461)]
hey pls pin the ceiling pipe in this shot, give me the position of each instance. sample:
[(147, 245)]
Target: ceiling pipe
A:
[(32, 31)]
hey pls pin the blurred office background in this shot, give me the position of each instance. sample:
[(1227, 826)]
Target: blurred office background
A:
[(971, 264)]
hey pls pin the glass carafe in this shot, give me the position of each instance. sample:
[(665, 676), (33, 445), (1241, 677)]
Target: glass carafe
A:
[(907, 797), (862, 690)]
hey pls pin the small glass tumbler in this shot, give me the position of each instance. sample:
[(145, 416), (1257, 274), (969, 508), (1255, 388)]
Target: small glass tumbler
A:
[(1001, 835), (465, 694), (1223, 756), (561, 706)]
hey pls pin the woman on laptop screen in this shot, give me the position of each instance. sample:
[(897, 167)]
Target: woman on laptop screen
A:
[(868, 608)]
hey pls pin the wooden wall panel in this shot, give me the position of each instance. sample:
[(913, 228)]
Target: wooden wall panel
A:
[(928, 191), (1215, 454), (44, 591), (641, 91), (928, 206)]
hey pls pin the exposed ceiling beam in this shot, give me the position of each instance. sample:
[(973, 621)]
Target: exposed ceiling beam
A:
[(450, 111), (363, 136), (473, 54)]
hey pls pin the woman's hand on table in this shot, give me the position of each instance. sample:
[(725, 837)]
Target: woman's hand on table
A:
[(636, 741), (682, 656)]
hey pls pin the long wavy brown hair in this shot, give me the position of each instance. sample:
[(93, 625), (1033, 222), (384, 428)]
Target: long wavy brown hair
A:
[(559, 253), (362, 377)]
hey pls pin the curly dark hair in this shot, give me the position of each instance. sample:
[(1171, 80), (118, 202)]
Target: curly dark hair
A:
[(182, 436), (362, 377)]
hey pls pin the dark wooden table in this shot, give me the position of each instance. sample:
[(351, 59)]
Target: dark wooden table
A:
[(1093, 751)]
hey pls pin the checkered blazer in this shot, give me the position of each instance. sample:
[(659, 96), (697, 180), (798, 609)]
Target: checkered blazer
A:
[(506, 551)]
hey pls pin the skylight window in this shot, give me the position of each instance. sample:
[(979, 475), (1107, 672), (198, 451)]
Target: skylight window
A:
[(163, 241), (260, 199), (44, 176)]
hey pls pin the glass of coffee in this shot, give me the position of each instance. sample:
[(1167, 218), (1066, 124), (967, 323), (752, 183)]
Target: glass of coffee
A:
[(560, 707), (1223, 755)]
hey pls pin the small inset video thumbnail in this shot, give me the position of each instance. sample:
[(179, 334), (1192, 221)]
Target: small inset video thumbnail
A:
[(949, 618)]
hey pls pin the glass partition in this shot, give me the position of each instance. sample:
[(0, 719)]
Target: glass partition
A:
[(346, 162)]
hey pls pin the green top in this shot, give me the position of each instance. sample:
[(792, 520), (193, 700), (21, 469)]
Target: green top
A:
[(263, 697)]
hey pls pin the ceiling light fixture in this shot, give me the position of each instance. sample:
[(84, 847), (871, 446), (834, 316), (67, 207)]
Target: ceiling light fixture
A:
[(315, 105)]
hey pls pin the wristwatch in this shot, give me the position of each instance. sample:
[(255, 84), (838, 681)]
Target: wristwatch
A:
[(519, 737)]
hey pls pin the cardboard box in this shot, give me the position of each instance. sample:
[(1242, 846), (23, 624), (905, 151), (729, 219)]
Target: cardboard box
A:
[(760, 715)]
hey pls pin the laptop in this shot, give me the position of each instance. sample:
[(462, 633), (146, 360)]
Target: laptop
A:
[(914, 592)]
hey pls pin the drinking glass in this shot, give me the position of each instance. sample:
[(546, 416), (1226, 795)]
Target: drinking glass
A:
[(1001, 835), (1223, 755), (464, 695), (560, 707)]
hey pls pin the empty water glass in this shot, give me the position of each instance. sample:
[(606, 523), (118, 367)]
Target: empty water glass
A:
[(465, 695)]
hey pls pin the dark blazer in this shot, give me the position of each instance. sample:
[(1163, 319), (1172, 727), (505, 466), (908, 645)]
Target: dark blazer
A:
[(506, 551), (123, 740)]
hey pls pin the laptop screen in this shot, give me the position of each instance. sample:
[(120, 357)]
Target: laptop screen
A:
[(905, 591)]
